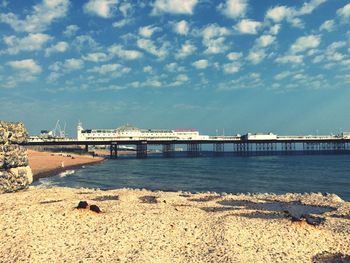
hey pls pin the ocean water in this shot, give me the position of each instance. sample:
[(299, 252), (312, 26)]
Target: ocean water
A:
[(254, 174)]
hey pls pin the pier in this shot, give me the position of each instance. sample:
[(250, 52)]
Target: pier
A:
[(281, 145)]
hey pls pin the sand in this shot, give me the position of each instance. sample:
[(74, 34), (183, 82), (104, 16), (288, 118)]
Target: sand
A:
[(46, 164), (43, 225)]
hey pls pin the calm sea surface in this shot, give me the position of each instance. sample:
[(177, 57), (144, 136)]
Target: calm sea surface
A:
[(277, 174)]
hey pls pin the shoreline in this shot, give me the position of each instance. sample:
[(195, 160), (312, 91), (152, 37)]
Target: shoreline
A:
[(47, 164)]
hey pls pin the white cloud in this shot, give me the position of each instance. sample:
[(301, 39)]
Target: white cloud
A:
[(53, 76), (250, 81), (101, 8), (213, 31), (275, 29), (201, 64), (282, 75), (344, 12), (214, 38), (265, 40), (172, 67), (328, 25), (309, 7), (126, 8), (60, 47), (149, 46), (110, 68), (247, 26), (304, 43), (147, 31), (179, 80), (148, 69), (336, 45), (26, 65), (70, 30), (32, 42), (154, 83), (234, 8), (292, 14), (278, 13), (186, 50), (96, 57), (127, 54), (216, 46), (318, 59), (73, 64), (40, 18), (182, 78), (234, 56), (123, 22), (174, 7), (85, 42), (181, 27), (256, 56), (296, 59), (231, 68)]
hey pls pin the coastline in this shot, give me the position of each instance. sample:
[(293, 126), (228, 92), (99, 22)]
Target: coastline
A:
[(45, 164), (43, 225)]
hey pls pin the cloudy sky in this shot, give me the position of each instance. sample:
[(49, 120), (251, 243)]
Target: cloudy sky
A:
[(239, 65)]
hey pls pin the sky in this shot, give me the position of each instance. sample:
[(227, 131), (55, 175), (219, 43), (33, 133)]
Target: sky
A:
[(223, 66)]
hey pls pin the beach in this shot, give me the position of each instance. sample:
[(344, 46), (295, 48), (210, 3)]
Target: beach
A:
[(43, 225), (45, 164)]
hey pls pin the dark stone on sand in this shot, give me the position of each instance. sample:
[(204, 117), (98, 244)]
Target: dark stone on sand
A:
[(95, 208), (82, 205)]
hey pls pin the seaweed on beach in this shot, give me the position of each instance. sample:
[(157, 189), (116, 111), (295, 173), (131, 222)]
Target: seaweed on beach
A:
[(106, 198), (205, 198), (327, 257), (50, 201), (149, 199)]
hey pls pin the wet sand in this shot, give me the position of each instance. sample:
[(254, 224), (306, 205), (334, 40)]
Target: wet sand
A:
[(45, 164), (43, 225)]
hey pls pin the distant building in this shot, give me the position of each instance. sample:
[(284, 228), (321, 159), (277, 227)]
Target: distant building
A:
[(259, 136), (128, 132)]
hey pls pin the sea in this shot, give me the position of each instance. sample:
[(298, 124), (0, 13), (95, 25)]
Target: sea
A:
[(226, 174)]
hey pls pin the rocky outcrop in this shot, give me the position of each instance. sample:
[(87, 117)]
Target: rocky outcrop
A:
[(15, 174)]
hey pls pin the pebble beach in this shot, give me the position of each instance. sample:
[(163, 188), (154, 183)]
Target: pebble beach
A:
[(44, 225)]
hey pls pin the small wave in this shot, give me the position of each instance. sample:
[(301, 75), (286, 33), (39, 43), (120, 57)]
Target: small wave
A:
[(65, 173), (45, 183)]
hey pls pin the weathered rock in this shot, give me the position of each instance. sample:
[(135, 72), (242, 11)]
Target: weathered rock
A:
[(15, 174), (14, 133), (14, 156), (15, 179), (2, 157), (3, 135)]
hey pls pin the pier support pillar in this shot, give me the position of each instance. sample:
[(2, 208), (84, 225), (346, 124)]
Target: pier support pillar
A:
[(218, 149), (168, 150), (141, 149), (193, 149), (287, 147), (242, 148), (86, 148), (113, 150)]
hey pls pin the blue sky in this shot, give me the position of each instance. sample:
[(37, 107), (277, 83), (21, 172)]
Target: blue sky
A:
[(239, 65)]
